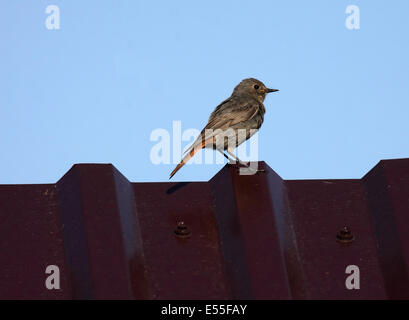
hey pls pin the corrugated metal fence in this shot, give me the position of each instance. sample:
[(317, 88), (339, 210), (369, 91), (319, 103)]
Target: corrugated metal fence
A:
[(234, 237)]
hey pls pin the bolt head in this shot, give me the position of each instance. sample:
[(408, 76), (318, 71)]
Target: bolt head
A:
[(182, 231), (345, 236)]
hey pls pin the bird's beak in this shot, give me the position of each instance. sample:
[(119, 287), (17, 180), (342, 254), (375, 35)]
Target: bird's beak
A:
[(272, 90)]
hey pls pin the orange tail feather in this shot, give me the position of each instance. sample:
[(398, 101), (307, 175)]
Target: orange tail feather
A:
[(190, 156)]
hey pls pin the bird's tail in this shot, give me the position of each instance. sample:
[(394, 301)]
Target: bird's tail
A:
[(190, 155)]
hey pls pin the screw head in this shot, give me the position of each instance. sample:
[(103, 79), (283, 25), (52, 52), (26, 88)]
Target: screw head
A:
[(182, 231), (345, 236)]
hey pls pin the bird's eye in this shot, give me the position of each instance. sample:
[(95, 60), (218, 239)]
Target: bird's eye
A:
[(256, 87)]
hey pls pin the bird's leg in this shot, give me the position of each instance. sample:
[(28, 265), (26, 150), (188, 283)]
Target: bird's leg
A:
[(236, 158), (231, 161), (250, 168)]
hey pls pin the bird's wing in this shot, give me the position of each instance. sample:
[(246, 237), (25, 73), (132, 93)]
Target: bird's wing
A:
[(227, 114), (231, 113)]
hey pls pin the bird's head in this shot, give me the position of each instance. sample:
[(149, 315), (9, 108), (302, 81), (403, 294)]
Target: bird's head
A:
[(254, 88)]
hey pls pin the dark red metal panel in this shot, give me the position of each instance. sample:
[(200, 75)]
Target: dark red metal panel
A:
[(248, 231), (387, 189), (30, 240), (234, 237), (102, 237), (186, 264), (319, 211)]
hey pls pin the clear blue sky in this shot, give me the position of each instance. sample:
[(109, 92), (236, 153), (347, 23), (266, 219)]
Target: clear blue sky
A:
[(94, 90)]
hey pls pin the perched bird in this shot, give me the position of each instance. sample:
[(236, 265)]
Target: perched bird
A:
[(235, 119)]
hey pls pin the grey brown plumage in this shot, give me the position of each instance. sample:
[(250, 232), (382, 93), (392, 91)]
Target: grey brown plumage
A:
[(244, 109)]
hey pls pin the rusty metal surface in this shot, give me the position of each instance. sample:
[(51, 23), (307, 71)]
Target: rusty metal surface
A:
[(234, 237)]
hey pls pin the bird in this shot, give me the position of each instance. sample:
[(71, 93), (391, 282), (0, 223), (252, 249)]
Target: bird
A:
[(235, 119)]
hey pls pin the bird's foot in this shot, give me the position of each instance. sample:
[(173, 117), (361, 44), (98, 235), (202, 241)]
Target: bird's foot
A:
[(232, 162), (248, 171), (246, 168), (237, 164)]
